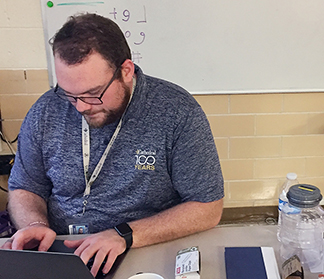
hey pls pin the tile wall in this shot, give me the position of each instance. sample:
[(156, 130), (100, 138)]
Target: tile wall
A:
[(261, 137)]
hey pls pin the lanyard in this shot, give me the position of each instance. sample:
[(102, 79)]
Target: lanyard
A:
[(86, 152)]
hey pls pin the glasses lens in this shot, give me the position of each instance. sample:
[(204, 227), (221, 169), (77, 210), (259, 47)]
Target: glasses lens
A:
[(63, 96), (88, 100), (91, 100)]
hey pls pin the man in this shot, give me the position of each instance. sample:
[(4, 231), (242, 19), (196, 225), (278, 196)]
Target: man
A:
[(124, 156)]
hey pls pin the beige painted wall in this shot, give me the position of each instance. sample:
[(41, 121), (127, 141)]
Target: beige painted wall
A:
[(260, 137)]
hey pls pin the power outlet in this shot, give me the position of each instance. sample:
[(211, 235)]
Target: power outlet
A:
[(6, 163)]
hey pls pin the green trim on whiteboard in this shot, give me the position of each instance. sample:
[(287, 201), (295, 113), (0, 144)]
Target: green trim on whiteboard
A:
[(80, 3)]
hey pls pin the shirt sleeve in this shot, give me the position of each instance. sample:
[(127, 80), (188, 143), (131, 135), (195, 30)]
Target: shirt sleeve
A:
[(196, 171), (28, 172)]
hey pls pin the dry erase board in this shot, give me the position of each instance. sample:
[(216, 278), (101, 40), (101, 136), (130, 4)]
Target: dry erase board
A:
[(214, 46)]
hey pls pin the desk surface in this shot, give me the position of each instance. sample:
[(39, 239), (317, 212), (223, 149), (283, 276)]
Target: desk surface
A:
[(160, 258)]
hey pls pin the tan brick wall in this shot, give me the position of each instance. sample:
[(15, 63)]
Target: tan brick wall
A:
[(261, 137)]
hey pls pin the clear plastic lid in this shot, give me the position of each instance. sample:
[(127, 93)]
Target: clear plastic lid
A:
[(304, 195)]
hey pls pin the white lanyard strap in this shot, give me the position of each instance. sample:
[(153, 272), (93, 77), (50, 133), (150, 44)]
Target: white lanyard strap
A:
[(86, 155), (86, 151)]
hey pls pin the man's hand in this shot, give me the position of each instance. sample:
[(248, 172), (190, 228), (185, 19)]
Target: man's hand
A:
[(31, 237), (101, 245)]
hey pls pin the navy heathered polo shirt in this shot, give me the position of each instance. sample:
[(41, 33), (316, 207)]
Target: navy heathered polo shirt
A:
[(164, 155)]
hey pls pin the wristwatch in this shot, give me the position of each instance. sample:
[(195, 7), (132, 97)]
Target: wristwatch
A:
[(125, 231)]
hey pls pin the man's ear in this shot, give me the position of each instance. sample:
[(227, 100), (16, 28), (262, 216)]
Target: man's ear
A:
[(128, 70)]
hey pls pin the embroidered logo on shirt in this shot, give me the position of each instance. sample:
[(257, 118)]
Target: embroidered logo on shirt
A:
[(145, 160)]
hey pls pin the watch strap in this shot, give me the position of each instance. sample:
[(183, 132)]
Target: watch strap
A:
[(125, 231)]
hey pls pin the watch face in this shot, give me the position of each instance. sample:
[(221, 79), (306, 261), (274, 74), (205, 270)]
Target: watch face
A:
[(124, 228)]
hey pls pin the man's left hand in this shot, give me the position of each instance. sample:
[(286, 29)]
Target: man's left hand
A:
[(100, 245)]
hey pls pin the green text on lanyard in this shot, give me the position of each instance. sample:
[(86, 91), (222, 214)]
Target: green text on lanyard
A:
[(86, 152)]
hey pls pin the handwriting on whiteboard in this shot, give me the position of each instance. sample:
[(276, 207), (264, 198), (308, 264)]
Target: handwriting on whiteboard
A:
[(134, 38)]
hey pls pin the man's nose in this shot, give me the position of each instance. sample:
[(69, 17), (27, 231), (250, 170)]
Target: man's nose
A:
[(82, 106)]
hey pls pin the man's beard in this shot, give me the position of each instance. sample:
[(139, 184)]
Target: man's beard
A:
[(110, 116)]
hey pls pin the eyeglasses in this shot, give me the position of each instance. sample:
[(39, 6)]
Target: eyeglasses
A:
[(88, 100)]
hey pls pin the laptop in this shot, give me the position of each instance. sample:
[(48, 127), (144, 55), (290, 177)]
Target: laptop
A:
[(58, 262)]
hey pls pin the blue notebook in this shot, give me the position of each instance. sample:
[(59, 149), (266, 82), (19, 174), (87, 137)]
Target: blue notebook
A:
[(251, 263)]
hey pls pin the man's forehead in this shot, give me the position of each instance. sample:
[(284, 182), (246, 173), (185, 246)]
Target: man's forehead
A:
[(85, 59)]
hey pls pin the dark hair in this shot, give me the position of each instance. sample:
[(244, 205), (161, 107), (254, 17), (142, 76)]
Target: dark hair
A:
[(84, 34)]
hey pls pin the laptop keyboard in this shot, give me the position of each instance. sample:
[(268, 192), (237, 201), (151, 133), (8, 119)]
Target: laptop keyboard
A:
[(100, 274)]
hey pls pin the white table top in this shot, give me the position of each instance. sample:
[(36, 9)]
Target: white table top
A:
[(160, 258)]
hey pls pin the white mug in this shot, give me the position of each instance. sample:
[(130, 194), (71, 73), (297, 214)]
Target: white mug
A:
[(146, 276)]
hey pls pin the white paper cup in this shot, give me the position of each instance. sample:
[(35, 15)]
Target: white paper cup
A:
[(146, 276)]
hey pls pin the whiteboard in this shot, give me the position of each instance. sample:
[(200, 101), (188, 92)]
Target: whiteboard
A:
[(214, 46)]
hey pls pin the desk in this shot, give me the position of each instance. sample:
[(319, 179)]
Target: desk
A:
[(160, 258)]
